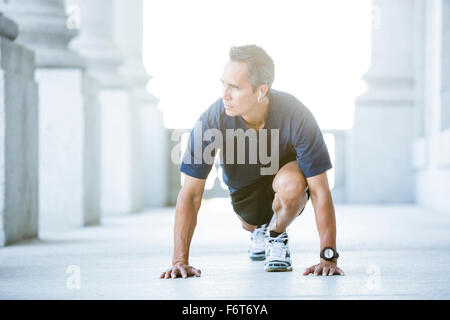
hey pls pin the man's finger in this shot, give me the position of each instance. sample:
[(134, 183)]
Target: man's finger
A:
[(331, 272), (174, 273), (162, 275), (308, 270), (195, 272), (325, 271), (183, 271), (311, 269), (167, 273), (340, 272), (317, 270)]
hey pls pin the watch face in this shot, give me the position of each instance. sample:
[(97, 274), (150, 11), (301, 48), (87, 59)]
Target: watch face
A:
[(328, 253)]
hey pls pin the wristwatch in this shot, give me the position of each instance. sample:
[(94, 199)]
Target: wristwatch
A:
[(329, 254)]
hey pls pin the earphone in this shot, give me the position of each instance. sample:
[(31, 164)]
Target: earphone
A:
[(259, 97)]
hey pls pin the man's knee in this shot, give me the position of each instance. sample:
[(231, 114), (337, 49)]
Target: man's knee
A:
[(245, 225), (289, 178), (291, 191)]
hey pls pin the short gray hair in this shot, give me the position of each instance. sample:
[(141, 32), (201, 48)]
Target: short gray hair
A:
[(261, 69)]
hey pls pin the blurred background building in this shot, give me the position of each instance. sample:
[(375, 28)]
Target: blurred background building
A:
[(82, 137)]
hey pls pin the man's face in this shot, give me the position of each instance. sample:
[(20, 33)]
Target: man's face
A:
[(237, 95)]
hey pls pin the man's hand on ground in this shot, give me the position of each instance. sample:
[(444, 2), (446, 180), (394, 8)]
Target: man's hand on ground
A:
[(324, 268), (180, 270)]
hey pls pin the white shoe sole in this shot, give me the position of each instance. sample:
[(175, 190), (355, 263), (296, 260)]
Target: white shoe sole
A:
[(277, 267), (257, 256)]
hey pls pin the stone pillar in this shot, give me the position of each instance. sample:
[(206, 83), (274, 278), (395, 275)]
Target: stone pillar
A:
[(149, 136), (92, 152), (96, 43), (8, 28), (64, 156), (18, 139), (43, 29), (379, 169), (431, 151), (445, 103), (340, 164)]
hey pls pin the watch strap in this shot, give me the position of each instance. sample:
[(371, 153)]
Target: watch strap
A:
[(335, 255)]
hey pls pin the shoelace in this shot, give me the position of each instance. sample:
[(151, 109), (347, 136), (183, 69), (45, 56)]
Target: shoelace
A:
[(260, 231), (278, 247), (278, 250), (258, 235)]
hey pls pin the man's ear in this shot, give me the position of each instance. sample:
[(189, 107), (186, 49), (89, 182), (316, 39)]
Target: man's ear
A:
[(264, 89)]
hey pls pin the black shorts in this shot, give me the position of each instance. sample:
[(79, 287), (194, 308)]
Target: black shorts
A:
[(253, 203)]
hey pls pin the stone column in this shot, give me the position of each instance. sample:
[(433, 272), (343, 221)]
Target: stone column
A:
[(43, 29), (96, 43), (18, 138), (340, 169), (64, 155), (149, 136), (379, 169), (445, 109), (431, 151)]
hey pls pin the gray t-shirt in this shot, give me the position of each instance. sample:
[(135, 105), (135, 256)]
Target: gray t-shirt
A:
[(299, 138)]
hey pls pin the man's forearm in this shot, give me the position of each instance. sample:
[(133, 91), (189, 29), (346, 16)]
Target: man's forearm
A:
[(325, 219), (185, 222)]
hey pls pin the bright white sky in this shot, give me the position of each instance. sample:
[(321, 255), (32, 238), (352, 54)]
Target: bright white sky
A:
[(320, 49)]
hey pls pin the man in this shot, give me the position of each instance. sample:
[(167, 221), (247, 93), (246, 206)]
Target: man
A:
[(265, 203)]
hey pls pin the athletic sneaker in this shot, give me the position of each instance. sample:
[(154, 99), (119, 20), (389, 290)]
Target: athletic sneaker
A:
[(257, 249), (278, 257)]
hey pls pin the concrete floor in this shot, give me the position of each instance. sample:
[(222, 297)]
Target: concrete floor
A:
[(387, 252)]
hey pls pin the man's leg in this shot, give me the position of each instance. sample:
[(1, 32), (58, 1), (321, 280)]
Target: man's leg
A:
[(253, 203), (290, 186), (257, 245), (290, 198), (245, 225)]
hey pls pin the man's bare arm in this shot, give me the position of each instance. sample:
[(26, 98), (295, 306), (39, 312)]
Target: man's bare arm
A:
[(187, 207), (326, 223)]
